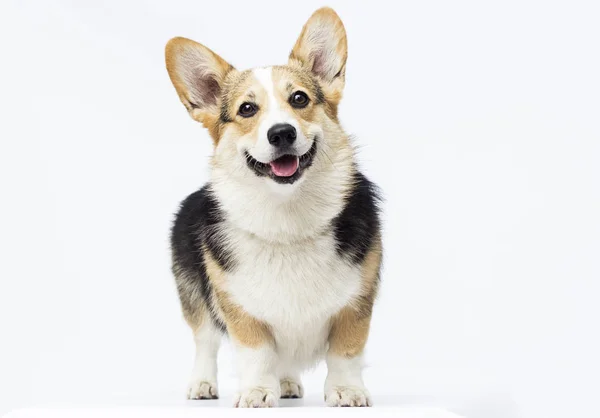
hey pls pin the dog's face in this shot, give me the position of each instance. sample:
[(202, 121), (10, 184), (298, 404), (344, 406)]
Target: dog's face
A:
[(267, 122)]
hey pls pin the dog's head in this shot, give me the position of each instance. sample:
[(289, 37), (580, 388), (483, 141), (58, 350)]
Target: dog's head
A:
[(274, 122)]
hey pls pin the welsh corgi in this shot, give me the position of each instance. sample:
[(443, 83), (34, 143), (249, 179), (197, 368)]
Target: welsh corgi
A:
[(281, 250)]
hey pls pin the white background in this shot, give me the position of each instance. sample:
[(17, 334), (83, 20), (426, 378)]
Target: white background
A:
[(479, 120)]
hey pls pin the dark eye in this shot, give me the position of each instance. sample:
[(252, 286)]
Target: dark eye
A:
[(247, 110), (299, 99)]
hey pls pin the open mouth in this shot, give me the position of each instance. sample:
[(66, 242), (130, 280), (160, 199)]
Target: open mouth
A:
[(285, 169)]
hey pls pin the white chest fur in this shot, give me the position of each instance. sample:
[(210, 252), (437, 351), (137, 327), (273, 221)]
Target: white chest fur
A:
[(295, 288)]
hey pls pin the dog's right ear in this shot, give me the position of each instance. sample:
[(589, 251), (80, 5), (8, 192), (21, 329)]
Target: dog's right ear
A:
[(322, 48), (198, 75)]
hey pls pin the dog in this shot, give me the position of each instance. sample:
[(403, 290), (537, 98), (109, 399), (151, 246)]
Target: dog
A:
[(281, 250)]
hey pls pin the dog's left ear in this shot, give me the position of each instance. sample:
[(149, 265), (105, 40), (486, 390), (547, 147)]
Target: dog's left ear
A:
[(322, 48)]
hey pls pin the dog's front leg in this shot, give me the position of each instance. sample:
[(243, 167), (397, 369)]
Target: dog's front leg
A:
[(256, 359), (259, 385), (344, 384)]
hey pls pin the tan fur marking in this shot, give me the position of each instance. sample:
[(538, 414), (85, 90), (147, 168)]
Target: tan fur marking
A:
[(349, 333), (370, 278), (350, 327), (288, 81), (244, 328), (241, 326), (210, 122), (240, 89), (333, 96)]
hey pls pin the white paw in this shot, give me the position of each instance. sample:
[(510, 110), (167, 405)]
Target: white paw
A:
[(348, 396), (201, 389), (291, 389), (256, 398)]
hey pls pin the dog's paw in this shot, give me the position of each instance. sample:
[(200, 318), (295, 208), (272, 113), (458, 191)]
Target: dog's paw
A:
[(348, 396), (201, 389), (291, 389), (256, 398)]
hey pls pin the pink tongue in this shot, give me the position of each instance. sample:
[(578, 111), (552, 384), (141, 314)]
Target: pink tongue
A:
[(285, 166)]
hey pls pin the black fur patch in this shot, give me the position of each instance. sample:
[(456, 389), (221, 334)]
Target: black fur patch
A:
[(196, 227), (224, 114), (358, 224), (319, 96)]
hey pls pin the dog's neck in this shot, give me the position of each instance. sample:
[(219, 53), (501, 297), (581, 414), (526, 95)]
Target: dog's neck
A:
[(284, 213)]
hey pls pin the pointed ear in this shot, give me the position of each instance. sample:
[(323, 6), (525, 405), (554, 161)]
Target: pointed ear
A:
[(198, 75), (322, 47)]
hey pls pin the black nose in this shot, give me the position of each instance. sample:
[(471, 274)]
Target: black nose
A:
[(281, 134)]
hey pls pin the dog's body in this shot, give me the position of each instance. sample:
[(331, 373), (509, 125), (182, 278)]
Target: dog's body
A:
[(281, 249)]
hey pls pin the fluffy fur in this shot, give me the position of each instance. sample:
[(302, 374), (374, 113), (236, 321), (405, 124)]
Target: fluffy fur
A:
[(288, 266)]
